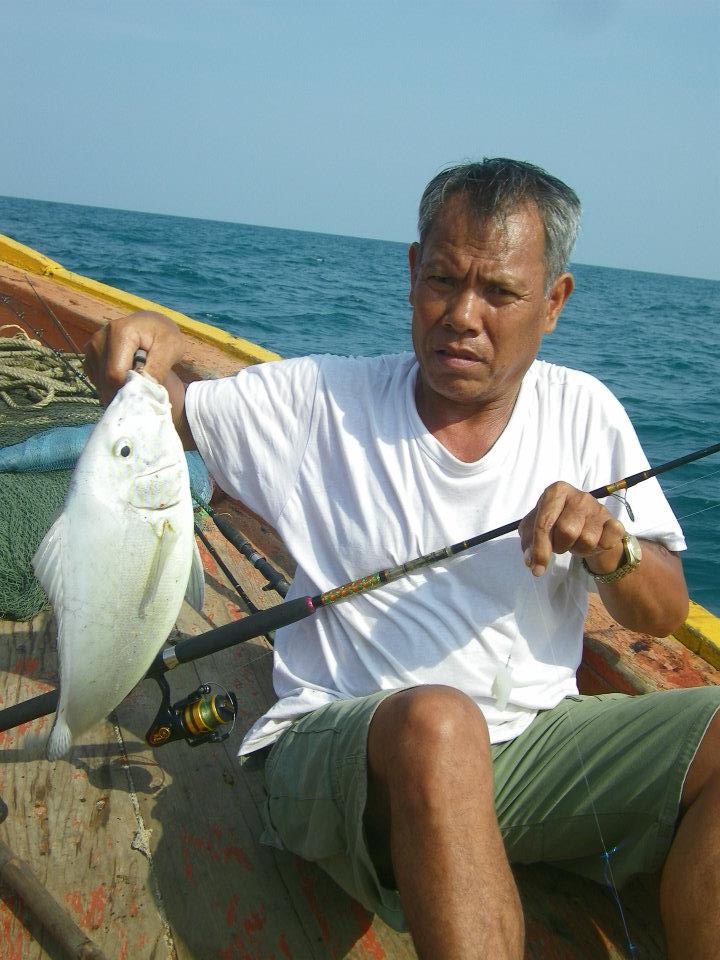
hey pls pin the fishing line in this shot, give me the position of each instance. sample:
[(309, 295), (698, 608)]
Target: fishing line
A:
[(696, 513), (606, 854), (61, 328), (59, 353), (672, 490)]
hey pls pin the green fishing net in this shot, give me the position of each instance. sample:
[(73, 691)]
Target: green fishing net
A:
[(39, 389)]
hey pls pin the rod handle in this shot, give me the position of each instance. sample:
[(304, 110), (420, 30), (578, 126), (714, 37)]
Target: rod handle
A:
[(238, 631), (28, 710)]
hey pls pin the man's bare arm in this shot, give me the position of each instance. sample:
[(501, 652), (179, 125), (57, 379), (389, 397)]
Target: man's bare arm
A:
[(652, 598)]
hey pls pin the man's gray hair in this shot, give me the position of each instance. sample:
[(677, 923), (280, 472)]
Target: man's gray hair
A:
[(497, 187)]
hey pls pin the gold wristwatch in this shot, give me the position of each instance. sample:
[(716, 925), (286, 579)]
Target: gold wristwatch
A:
[(632, 555)]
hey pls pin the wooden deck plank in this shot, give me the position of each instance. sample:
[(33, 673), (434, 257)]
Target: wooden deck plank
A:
[(69, 821), (156, 853)]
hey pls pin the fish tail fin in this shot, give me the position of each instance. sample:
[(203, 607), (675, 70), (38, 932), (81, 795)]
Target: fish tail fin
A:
[(60, 739)]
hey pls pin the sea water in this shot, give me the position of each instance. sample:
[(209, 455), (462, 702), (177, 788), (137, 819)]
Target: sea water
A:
[(652, 338)]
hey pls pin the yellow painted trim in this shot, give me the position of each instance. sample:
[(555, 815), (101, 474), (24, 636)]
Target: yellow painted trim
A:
[(701, 634), (25, 258)]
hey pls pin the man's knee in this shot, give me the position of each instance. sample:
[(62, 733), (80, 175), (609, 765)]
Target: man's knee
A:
[(427, 747), (424, 726)]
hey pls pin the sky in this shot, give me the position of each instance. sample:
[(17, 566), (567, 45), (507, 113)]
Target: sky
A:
[(331, 115)]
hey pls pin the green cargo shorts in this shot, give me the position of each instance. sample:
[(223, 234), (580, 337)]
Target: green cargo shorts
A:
[(592, 786)]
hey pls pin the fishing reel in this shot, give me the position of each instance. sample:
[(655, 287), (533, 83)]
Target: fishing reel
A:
[(201, 717)]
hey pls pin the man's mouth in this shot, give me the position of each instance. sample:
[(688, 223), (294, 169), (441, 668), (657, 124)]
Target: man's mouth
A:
[(456, 357)]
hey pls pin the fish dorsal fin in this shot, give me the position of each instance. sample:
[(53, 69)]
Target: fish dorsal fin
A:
[(166, 536), (195, 593)]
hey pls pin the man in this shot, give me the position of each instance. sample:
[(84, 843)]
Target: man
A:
[(428, 733)]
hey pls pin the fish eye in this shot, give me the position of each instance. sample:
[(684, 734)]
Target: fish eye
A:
[(122, 448)]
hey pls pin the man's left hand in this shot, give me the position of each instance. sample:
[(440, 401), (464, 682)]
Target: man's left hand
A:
[(566, 519)]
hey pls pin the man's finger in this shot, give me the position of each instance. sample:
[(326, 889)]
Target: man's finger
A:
[(538, 553)]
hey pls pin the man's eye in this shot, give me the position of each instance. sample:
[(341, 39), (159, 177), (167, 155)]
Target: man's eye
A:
[(501, 292)]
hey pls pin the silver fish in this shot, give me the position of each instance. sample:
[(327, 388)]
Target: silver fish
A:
[(120, 557)]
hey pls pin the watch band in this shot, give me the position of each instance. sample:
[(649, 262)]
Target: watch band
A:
[(632, 555)]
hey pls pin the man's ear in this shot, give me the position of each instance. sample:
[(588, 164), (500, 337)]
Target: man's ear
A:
[(557, 298), (413, 260)]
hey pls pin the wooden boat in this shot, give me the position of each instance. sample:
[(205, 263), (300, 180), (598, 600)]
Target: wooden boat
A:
[(154, 853)]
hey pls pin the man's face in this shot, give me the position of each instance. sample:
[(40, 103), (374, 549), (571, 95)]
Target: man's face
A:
[(479, 309)]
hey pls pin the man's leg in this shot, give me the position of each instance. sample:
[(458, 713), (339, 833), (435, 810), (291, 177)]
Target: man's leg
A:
[(432, 830), (690, 888)]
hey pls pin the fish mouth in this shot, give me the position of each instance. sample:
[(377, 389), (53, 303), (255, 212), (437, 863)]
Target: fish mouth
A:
[(158, 470), (159, 509), (145, 507), (152, 389)]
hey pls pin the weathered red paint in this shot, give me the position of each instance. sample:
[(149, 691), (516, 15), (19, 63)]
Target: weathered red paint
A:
[(239, 856), (208, 560), (25, 666), (596, 675), (368, 942), (94, 916), (308, 888), (123, 950), (13, 935), (231, 910), (255, 921), (284, 946), (372, 946)]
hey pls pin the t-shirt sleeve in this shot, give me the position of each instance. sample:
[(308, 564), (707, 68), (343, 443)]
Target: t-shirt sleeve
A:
[(617, 453), (251, 429)]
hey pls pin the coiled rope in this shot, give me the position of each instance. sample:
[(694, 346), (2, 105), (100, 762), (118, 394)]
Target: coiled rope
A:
[(33, 375)]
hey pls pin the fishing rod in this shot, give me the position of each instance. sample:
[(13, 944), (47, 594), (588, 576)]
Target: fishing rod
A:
[(210, 711), (275, 580), (292, 611)]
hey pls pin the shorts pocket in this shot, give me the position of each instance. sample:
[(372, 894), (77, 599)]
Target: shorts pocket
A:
[(304, 810)]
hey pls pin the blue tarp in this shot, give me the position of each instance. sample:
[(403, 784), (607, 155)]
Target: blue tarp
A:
[(59, 449)]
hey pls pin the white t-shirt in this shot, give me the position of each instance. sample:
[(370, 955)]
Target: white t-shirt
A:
[(332, 452)]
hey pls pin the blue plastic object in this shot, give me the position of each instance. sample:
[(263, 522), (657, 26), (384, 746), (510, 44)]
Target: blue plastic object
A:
[(60, 447)]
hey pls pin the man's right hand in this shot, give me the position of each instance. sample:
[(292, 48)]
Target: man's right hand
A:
[(110, 352)]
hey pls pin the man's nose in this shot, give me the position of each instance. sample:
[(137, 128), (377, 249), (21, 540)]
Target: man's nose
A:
[(465, 311)]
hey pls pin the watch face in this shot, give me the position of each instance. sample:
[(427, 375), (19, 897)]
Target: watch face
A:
[(633, 549)]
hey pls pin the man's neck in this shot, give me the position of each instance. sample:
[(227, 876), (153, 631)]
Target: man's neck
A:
[(467, 433)]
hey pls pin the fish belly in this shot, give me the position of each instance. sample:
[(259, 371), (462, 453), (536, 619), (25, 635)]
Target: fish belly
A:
[(118, 607)]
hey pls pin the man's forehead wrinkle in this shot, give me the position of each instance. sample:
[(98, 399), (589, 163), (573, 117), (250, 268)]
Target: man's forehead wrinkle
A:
[(489, 242), (494, 224)]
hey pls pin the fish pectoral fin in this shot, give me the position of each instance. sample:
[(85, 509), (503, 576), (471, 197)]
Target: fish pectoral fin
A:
[(195, 592), (47, 565), (166, 537)]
